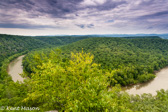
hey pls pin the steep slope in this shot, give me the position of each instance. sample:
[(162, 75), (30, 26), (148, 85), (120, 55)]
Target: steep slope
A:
[(10, 45)]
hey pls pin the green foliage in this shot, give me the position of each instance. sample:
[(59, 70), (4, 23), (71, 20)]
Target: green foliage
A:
[(5, 63), (149, 103), (75, 82), (11, 94), (145, 77), (75, 85), (134, 59), (11, 45), (80, 85), (60, 40)]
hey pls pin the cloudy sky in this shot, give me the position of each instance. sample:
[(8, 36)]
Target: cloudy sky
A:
[(74, 17)]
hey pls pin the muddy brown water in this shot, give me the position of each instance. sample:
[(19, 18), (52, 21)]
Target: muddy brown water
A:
[(15, 68), (159, 82)]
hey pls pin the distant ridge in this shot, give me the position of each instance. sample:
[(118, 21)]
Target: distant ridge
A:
[(165, 36), (135, 37)]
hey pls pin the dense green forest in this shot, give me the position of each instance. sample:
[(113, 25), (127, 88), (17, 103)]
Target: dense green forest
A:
[(79, 84), (131, 60), (86, 75), (60, 40), (10, 45)]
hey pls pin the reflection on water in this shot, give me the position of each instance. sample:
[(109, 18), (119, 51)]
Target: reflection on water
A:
[(160, 82), (15, 68)]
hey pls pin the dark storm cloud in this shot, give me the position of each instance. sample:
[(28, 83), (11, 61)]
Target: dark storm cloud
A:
[(83, 26), (19, 4), (55, 8), (90, 25), (31, 14), (11, 9), (153, 15), (109, 4), (110, 21), (49, 8), (24, 26), (59, 8)]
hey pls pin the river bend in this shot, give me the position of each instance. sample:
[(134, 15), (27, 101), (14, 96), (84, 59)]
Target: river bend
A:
[(15, 68)]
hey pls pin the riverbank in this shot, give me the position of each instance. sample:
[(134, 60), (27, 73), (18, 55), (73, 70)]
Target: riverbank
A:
[(15, 68), (5, 64), (159, 82)]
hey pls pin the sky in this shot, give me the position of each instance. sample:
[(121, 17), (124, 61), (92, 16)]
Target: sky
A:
[(82, 17)]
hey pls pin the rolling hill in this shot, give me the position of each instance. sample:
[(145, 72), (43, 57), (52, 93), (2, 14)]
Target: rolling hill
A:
[(134, 59), (60, 40)]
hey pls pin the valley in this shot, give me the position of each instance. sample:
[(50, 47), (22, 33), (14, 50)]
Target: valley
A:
[(73, 73)]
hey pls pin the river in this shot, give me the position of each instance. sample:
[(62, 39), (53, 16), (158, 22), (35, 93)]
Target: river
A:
[(159, 82), (15, 68)]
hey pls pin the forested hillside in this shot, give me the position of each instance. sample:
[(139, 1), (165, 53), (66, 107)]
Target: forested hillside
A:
[(83, 76), (134, 60), (131, 60), (10, 45), (78, 84), (61, 40)]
